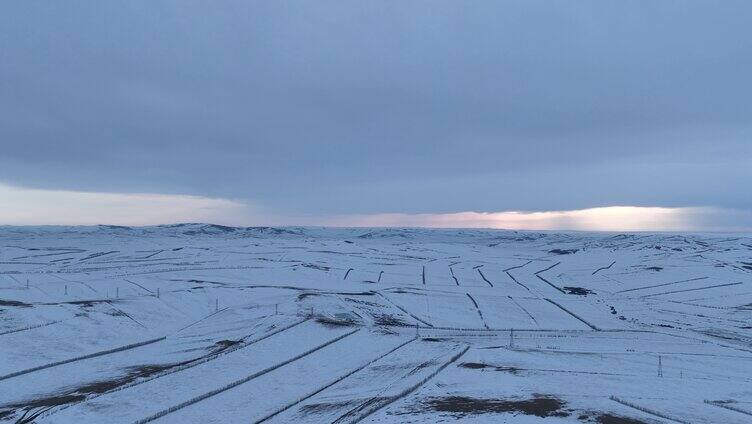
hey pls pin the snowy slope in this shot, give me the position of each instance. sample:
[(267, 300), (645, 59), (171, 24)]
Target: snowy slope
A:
[(198, 323)]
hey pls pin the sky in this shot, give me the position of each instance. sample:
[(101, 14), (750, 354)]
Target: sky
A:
[(540, 114)]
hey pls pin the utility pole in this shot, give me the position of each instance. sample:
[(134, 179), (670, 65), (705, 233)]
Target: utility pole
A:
[(660, 366), (511, 338)]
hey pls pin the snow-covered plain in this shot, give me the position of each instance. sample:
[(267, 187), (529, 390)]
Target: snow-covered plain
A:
[(200, 323)]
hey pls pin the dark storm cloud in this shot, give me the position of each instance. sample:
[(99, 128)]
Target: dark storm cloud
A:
[(384, 106)]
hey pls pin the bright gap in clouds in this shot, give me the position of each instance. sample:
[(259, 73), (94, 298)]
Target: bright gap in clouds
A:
[(22, 206), (612, 218)]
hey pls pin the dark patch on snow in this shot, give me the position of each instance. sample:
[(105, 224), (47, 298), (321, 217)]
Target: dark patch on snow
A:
[(611, 419), (388, 319), (563, 251), (224, 344), (114, 227), (434, 339), (82, 303), (539, 406), (338, 320), (475, 365), (654, 268), (580, 291), (32, 408), (15, 303), (366, 293), (481, 366), (314, 266)]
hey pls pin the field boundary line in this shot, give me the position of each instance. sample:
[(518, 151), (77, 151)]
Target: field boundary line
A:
[(236, 383), (603, 268), (647, 410), (726, 405), (546, 269), (515, 280), (415, 317), (574, 315), (477, 308), (83, 357), (332, 383), (30, 327), (178, 368), (518, 266), (484, 277), (364, 414), (695, 289), (551, 284), (661, 285)]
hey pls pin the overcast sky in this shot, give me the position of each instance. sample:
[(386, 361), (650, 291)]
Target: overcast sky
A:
[(305, 111)]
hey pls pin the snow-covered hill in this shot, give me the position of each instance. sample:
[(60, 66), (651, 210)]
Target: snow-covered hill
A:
[(197, 323)]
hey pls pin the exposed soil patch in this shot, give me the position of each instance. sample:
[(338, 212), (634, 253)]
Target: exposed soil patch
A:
[(366, 293), (539, 406), (15, 303), (80, 393), (362, 302), (388, 319), (401, 291), (480, 366), (314, 266), (580, 291), (338, 320), (615, 419), (606, 418), (82, 303), (563, 251), (475, 365), (224, 344)]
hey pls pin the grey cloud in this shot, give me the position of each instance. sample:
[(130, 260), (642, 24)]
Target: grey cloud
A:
[(382, 106)]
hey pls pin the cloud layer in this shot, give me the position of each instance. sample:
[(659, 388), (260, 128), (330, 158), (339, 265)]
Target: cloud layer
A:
[(338, 107), (36, 207)]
